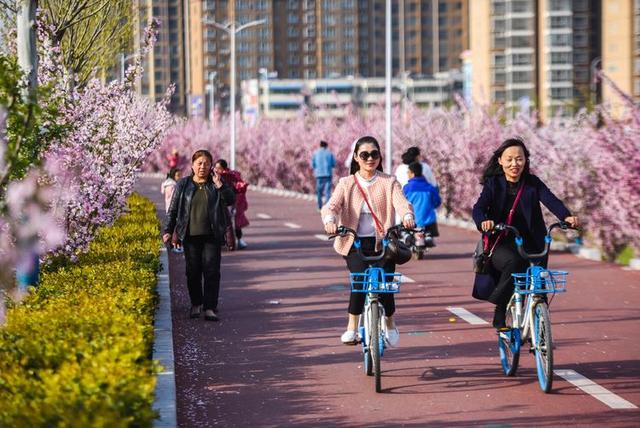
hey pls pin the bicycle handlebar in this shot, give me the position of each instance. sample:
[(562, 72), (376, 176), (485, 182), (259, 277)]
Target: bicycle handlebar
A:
[(344, 230), (500, 227)]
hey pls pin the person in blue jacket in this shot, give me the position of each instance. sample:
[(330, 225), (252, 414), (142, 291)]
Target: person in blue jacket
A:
[(323, 163), (424, 197), (507, 169)]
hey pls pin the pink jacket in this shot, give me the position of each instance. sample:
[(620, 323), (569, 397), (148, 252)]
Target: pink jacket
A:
[(385, 196)]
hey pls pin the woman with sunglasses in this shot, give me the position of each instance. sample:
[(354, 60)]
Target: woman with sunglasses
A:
[(348, 207)]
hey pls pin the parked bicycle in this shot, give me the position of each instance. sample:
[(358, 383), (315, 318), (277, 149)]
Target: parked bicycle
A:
[(373, 281), (527, 317)]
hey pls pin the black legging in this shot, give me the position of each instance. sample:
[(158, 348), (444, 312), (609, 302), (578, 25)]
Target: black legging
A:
[(506, 260), (202, 257), (355, 264)]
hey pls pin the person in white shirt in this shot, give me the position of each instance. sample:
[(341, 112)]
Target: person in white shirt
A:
[(413, 155)]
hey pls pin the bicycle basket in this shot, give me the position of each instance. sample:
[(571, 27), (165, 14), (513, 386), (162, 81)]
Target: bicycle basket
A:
[(375, 280), (544, 281)]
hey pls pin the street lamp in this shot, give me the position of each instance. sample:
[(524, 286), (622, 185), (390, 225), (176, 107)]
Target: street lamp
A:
[(388, 87), (593, 74), (232, 28), (263, 74), (212, 88)]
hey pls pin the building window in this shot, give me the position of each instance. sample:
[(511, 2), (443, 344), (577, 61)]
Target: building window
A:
[(560, 5)]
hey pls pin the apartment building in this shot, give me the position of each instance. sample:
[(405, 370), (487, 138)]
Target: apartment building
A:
[(621, 49), (335, 97), (312, 39), (533, 53), (165, 63)]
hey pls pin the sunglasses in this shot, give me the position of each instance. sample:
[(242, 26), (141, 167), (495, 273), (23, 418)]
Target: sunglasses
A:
[(373, 154)]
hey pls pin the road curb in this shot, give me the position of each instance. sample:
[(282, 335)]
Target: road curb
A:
[(165, 391)]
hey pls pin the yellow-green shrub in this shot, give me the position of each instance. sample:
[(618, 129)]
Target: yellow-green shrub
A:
[(77, 351)]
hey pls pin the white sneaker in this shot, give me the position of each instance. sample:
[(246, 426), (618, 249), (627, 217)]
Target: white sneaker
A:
[(349, 337), (241, 244), (392, 336)]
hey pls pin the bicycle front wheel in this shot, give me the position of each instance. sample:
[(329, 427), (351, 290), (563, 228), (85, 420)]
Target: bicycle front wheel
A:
[(509, 344), (544, 345), (374, 344)]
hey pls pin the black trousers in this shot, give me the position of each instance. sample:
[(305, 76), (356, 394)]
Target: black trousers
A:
[(202, 257), (506, 260), (355, 264)]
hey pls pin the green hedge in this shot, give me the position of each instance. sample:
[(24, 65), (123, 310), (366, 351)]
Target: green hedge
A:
[(77, 352)]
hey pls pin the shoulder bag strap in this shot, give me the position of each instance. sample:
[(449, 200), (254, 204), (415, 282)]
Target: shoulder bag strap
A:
[(509, 217), (364, 195)]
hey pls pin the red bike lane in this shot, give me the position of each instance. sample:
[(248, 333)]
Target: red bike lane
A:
[(275, 359)]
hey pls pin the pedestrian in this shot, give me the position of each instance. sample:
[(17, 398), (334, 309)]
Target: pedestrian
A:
[(238, 211), (347, 206), (506, 176), (323, 163), (168, 186), (413, 155), (196, 215), (425, 198), (173, 158)]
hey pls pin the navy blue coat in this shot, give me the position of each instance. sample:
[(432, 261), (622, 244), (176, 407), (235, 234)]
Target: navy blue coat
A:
[(490, 206)]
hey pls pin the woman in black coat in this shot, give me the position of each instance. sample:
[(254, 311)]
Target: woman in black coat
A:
[(507, 169), (197, 215)]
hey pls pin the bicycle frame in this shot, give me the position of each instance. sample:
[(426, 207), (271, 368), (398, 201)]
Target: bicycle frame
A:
[(524, 321)]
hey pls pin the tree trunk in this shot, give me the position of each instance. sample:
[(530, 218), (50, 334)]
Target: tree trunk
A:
[(27, 53)]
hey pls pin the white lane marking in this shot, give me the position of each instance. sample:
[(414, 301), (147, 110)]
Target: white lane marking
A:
[(467, 316), (293, 225), (406, 279), (263, 216), (596, 391), (322, 237)]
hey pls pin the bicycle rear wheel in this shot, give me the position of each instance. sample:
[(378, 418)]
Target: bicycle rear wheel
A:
[(509, 344), (374, 344), (544, 345)]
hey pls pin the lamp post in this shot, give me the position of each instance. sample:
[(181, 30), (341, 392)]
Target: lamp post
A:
[(212, 89), (593, 74), (232, 28), (387, 91), (263, 73)]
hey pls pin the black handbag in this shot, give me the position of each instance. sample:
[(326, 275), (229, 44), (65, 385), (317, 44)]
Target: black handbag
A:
[(398, 250), (484, 281)]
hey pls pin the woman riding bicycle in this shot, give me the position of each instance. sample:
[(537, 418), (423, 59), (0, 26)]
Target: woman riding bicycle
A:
[(348, 207), (506, 171)]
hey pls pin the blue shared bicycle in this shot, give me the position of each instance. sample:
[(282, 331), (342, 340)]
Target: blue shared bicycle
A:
[(373, 281), (528, 318)]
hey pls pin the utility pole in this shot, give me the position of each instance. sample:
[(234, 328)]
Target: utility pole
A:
[(26, 35)]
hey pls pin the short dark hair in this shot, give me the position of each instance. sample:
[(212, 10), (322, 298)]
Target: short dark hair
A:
[(410, 155), (324, 144), (223, 163), (172, 173), (416, 168)]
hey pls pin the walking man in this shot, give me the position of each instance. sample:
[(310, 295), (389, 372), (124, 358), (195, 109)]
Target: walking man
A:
[(323, 163)]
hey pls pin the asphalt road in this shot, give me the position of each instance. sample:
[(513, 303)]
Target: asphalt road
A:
[(275, 358)]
